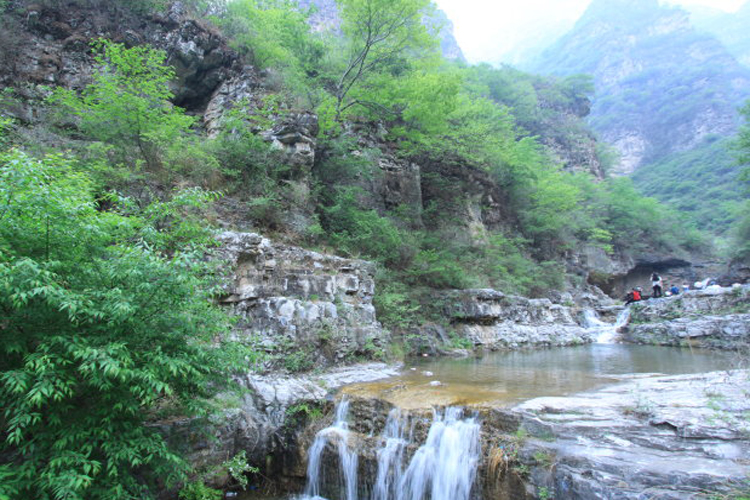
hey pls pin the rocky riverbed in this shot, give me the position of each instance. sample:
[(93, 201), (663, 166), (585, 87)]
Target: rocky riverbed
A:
[(718, 318), (632, 431), (676, 438)]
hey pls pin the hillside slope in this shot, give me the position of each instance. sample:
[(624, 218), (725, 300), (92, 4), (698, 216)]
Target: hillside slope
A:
[(662, 86)]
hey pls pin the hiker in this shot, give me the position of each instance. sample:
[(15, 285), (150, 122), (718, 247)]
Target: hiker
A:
[(675, 290), (633, 296), (656, 285)]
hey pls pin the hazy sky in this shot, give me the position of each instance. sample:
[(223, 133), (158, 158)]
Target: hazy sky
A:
[(487, 29)]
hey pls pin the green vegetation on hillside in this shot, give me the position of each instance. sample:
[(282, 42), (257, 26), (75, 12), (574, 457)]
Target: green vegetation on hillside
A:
[(106, 295), (383, 66), (701, 183), (741, 248), (106, 323)]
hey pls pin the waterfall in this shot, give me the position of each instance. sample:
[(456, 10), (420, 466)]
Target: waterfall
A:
[(337, 434), (623, 318), (390, 458), (606, 333), (443, 468), (591, 320)]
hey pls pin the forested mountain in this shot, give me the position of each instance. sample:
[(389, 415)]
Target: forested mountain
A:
[(150, 150), (665, 91)]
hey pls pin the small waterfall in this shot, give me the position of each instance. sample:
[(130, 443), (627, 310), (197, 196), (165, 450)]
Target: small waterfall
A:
[(390, 458), (443, 468), (623, 318), (338, 434), (606, 332), (591, 320)]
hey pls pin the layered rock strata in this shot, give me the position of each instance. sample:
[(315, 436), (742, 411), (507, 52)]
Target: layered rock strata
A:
[(494, 320), (301, 310), (673, 438), (715, 318), (295, 304)]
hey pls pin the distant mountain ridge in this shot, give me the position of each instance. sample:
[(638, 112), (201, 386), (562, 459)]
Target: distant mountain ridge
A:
[(662, 85)]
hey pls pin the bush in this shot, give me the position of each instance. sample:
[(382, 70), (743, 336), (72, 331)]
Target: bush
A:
[(365, 232), (128, 107), (107, 323)]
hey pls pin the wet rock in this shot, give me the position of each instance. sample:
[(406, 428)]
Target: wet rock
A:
[(266, 422), (672, 437)]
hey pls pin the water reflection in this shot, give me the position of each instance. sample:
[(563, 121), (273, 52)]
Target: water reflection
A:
[(507, 377)]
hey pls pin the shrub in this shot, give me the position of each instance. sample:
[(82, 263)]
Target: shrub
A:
[(107, 323), (128, 106), (360, 231)]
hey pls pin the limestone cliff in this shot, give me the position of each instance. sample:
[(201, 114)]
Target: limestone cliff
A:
[(303, 309)]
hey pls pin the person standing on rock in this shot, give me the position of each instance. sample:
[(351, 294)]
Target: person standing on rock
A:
[(656, 285)]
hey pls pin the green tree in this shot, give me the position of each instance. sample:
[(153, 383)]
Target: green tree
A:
[(275, 33), (742, 229), (743, 142), (107, 323), (380, 35), (128, 104)]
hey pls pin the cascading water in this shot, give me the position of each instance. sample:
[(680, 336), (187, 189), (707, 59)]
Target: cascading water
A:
[(606, 332), (443, 468), (390, 458), (338, 434)]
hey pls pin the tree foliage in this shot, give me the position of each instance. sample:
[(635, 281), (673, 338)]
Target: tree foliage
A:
[(106, 324), (128, 104), (742, 227), (379, 38), (275, 33)]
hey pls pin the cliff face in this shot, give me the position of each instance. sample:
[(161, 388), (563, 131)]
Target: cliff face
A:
[(662, 86), (304, 309), (49, 45)]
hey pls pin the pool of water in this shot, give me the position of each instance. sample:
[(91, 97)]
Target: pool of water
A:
[(507, 378), (504, 378)]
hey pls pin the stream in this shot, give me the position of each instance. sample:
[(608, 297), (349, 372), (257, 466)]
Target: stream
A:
[(504, 378), (443, 465)]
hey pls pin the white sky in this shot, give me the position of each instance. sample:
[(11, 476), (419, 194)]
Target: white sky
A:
[(488, 29)]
